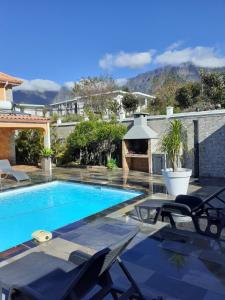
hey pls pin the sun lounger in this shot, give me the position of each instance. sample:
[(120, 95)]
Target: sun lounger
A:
[(39, 276), (210, 211), (5, 168)]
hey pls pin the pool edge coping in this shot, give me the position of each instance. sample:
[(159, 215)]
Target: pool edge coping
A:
[(59, 232)]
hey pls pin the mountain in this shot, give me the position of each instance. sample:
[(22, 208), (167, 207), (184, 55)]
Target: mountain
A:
[(152, 81), (34, 97), (44, 97), (148, 82), (64, 94)]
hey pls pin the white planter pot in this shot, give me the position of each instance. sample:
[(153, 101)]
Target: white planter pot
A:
[(177, 182)]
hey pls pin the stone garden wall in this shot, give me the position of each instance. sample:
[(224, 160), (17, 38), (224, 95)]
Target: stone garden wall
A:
[(210, 136)]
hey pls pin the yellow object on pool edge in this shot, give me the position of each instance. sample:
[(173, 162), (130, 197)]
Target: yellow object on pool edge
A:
[(42, 236)]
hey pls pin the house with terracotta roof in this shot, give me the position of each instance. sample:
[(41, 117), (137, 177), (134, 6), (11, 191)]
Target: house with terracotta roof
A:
[(11, 120)]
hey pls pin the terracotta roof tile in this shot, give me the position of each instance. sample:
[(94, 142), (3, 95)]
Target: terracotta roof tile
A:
[(7, 78), (22, 118)]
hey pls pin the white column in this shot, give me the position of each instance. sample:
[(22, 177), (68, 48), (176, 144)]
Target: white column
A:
[(47, 164), (47, 140)]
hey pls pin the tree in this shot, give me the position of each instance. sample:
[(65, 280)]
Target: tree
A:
[(167, 91), (130, 102), (125, 88), (114, 106), (187, 95), (213, 86), (95, 91), (95, 140)]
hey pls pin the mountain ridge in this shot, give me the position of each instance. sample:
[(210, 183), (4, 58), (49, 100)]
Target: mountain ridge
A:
[(149, 82)]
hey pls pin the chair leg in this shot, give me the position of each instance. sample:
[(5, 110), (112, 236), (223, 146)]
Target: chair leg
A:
[(207, 231), (114, 295), (172, 223), (131, 280)]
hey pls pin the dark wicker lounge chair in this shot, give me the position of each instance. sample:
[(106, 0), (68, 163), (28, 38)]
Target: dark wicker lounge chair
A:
[(39, 276), (208, 215)]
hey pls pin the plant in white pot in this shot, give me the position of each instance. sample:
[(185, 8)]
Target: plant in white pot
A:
[(176, 178), (46, 154)]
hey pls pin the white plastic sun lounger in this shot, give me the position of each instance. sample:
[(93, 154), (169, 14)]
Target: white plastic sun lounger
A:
[(6, 168)]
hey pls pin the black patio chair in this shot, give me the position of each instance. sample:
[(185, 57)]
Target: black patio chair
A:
[(39, 276), (208, 215)]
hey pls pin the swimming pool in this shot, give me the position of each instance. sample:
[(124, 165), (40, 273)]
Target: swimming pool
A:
[(50, 206)]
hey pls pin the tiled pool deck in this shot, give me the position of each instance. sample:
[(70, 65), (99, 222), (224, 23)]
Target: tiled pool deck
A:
[(175, 264)]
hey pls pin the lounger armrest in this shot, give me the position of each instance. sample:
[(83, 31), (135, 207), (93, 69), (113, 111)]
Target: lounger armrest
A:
[(216, 211), (182, 209), (25, 291), (78, 257)]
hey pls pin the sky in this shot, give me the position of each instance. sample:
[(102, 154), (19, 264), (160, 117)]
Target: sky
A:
[(50, 43)]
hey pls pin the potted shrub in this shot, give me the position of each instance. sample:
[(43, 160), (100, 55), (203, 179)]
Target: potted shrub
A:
[(46, 154), (176, 178)]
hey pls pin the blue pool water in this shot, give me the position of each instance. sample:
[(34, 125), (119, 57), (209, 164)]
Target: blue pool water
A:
[(50, 206)]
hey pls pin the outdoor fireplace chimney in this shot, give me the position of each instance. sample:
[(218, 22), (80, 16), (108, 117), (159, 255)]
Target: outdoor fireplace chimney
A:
[(136, 145)]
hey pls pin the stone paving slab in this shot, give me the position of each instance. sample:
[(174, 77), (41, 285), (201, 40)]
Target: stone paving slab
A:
[(57, 247), (176, 264)]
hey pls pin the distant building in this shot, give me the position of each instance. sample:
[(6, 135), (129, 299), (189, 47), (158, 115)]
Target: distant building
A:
[(77, 104), (32, 109)]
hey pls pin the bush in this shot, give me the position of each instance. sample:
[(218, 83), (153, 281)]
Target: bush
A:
[(58, 146), (111, 164), (94, 141), (54, 118), (28, 146), (72, 118)]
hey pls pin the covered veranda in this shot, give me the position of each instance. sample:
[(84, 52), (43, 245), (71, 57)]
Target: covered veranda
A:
[(10, 122)]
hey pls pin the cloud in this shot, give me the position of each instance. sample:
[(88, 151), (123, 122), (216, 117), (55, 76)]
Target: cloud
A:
[(175, 45), (69, 84), (199, 56), (126, 60), (40, 85), (121, 81)]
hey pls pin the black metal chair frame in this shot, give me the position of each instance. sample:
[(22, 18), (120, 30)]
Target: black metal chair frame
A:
[(194, 207), (89, 271)]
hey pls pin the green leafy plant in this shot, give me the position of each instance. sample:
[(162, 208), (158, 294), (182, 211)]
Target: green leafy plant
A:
[(188, 95), (58, 147), (172, 143), (46, 152), (111, 164), (54, 118), (28, 146), (130, 102), (72, 118), (95, 141)]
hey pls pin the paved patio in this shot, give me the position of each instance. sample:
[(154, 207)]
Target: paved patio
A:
[(175, 264)]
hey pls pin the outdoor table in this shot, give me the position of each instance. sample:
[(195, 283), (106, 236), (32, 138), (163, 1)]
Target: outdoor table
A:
[(149, 210)]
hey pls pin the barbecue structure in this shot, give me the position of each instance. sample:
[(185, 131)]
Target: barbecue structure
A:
[(137, 145)]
